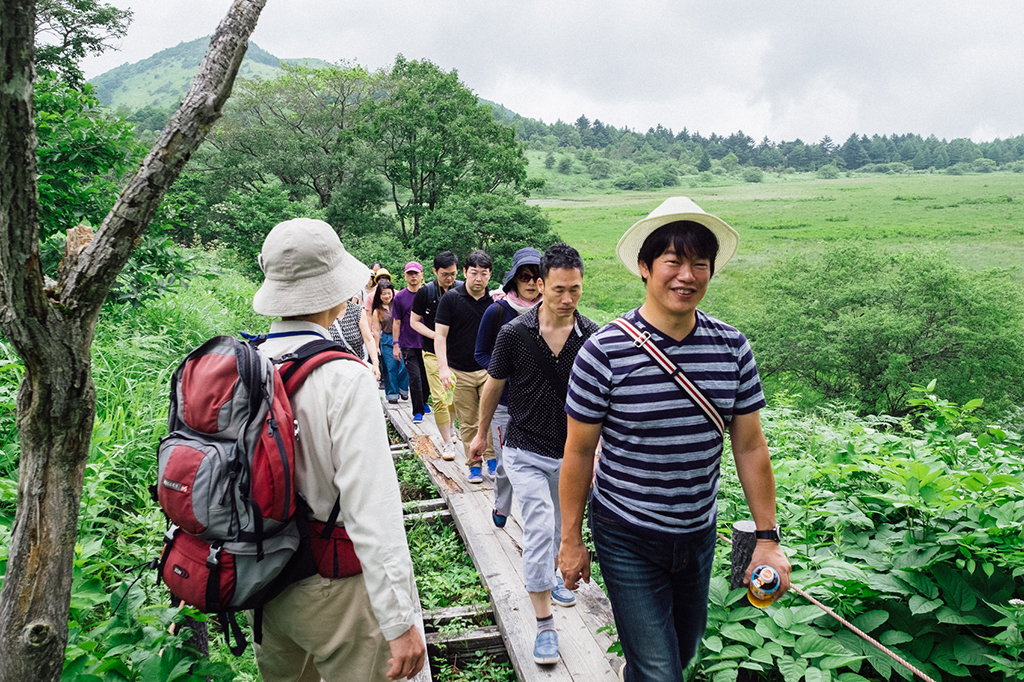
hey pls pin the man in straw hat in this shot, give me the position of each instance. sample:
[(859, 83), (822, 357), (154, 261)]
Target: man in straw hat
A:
[(365, 626), (653, 506)]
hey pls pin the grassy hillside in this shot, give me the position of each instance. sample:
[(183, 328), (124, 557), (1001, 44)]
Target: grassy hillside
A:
[(979, 218), (163, 79)]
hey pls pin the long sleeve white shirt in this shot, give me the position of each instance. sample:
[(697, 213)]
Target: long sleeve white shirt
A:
[(343, 450)]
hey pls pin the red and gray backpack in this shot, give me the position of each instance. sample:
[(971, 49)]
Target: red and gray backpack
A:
[(226, 478)]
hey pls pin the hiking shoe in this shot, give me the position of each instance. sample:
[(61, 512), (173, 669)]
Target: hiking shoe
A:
[(545, 649), (499, 519), (426, 409), (561, 595), (392, 401), (492, 468), (474, 475), (404, 396), (448, 452), (417, 418)]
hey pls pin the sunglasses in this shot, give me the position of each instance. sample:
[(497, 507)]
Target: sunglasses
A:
[(526, 277)]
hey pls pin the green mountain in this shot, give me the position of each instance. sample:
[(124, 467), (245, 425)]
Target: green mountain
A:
[(162, 80)]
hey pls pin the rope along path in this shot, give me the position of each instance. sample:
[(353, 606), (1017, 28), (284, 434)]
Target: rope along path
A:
[(857, 631)]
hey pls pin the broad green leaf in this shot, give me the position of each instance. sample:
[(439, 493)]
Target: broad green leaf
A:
[(714, 643), (843, 571), (752, 665), (972, 405), (870, 621), (812, 675), (954, 617), (852, 677), (792, 670), (718, 591), (734, 651), (767, 628), (894, 637), (806, 613), (726, 676), (885, 582), (919, 605), (924, 585), (833, 662), (775, 649), (721, 665), (783, 617), (735, 595), (813, 646), (741, 634), (944, 658), (970, 651), (762, 655)]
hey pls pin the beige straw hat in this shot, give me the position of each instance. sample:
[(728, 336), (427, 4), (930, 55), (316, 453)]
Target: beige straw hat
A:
[(671, 210), (306, 270)]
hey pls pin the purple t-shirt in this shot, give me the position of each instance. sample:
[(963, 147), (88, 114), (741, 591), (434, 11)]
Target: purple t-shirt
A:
[(400, 309)]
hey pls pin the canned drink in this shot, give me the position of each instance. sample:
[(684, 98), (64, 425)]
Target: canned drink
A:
[(764, 581)]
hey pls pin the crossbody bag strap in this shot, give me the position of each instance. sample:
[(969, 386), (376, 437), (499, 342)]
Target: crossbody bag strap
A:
[(643, 340), (543, 360)]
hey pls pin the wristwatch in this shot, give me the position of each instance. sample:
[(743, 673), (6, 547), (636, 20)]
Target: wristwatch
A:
[(770, 534)]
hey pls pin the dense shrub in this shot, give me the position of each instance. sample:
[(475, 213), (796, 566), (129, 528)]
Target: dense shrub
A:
[(858, 325), (753, 174)]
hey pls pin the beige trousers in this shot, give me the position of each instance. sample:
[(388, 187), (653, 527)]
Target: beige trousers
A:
[(469, 387), (320, 627), (440, 408)]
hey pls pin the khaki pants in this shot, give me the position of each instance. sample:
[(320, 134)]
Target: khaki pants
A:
[(469, 387), (440, 408), (320, 627)]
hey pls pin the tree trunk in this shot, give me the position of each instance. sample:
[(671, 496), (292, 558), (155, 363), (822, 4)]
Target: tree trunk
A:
[(52, 329)]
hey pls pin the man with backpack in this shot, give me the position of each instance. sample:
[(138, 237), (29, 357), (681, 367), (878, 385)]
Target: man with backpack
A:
[(421, 319), (534, 354), (364, 626)]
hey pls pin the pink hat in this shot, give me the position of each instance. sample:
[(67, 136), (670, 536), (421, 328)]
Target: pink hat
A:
[(413, 266)]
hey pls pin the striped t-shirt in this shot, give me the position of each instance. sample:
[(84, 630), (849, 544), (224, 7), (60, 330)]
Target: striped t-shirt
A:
[(659, 467)]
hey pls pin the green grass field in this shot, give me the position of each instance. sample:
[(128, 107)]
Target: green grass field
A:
[(979, 219)]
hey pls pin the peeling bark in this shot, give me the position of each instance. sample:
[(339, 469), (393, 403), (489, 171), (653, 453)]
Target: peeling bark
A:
[(53, 333)]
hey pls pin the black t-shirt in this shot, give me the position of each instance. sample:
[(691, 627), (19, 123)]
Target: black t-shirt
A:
[(424, 305), (536, 408), (461, 313)]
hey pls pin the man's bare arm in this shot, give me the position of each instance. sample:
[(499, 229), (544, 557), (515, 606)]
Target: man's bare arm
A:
[(573, 490)]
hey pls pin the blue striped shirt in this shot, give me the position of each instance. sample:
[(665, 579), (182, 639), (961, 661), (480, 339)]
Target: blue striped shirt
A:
[(659, 467)]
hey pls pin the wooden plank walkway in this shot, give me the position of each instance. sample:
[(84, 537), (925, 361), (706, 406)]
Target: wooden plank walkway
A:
[(497, 554)]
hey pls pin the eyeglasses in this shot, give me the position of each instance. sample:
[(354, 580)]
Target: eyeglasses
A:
[(526, 277)]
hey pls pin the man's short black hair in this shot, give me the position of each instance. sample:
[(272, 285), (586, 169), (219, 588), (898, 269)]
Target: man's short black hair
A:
[(479, 259), (445, 259), (560, 256), (685, 237)]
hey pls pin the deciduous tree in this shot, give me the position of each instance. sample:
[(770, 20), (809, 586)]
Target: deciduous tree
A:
[(69, 30), (436, 141), (51, 328)]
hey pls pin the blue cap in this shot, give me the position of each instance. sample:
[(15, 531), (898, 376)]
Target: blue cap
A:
[(524, 256)]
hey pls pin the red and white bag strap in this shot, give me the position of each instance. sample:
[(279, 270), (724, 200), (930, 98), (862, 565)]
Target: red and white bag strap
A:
[(643, 340)]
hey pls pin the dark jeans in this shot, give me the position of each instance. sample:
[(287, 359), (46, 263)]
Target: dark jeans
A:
[(659, 595), (419, 390)]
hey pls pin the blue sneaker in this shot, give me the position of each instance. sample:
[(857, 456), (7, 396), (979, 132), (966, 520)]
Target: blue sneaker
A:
[(426, 409), (417, 418), (492, 468), (561, 595), (474, 475), (545, 649), (499, 519)]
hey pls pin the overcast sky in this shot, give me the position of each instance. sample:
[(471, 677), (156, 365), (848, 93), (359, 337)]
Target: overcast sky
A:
[(784, 69)]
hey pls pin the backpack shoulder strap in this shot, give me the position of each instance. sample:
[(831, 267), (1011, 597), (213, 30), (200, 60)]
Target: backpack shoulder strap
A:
[(643, 340), (297, 365), (500, 317), (543, 360)]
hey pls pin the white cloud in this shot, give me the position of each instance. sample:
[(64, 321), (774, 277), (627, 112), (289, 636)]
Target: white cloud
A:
[(785, 69)]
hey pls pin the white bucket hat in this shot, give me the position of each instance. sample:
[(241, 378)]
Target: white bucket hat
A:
[(670, 211), (306, 270)]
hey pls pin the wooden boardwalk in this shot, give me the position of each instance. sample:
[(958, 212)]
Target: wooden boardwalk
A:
[(497, 554)]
